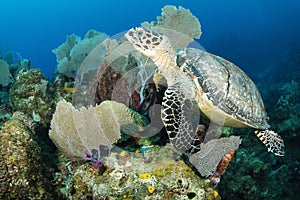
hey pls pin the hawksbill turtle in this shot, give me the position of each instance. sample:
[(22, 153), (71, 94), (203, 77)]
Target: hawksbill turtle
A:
[(222, 91)]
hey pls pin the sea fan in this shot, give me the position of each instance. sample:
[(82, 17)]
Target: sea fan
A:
[(207, 159), (82, 133)]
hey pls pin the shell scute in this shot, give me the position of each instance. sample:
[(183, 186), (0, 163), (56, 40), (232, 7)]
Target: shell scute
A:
[(226, 86)]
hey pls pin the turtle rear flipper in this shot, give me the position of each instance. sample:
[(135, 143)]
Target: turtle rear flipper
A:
[(180, 115), (272, 141)]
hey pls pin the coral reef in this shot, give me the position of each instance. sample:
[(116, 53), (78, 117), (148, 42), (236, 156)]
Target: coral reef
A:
[(25, 119), (119, 73), (284, 105), (62, 88), (3, 97), (287, 108), (30, 94), (21, 167), (113, 71), (5, 114), (135, 176), (106, 86), (255, 174), (115, 152), (126, 84), (222, 166)]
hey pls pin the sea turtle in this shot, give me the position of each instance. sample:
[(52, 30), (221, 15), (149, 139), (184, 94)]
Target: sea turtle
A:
[(222, 91)]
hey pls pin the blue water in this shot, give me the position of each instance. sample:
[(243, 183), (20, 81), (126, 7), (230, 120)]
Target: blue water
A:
[(254, 34)]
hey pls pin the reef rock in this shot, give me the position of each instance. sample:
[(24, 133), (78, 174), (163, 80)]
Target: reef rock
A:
[(21, 172), (30, 94), (135, 176)]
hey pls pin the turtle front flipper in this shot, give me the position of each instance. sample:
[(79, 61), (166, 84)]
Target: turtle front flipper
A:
[(180, 115), (272, 141)]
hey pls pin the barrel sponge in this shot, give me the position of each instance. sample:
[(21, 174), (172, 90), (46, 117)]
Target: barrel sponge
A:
[(5, 76)]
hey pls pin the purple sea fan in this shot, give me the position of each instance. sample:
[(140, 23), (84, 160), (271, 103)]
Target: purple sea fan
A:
[(94, 158)]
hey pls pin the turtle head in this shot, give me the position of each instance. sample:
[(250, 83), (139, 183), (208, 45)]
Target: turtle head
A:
[(152, 44)]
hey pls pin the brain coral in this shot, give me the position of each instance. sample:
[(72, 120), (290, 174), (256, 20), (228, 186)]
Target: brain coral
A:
[(21, 173)]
